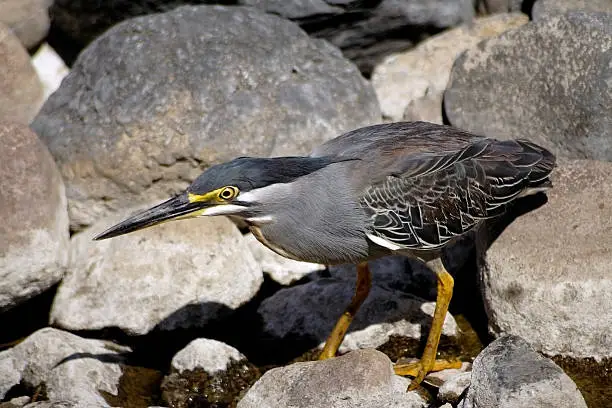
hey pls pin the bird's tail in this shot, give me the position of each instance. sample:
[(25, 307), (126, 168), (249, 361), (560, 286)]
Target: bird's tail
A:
[(538, 178)]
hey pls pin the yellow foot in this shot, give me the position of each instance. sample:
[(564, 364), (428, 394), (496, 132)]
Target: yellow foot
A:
[(421, 368)]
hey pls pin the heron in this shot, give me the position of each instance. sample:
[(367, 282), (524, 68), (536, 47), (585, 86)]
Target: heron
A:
[(404, 188)]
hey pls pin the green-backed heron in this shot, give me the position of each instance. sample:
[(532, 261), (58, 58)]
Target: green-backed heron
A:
[(406, 188)]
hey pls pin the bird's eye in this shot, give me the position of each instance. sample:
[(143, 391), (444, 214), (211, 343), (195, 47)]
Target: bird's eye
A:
[(227, 193)]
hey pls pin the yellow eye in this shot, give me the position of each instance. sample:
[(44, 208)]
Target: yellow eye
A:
[(228, 193)]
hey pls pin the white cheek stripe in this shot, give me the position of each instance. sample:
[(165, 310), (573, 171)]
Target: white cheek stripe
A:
[(383, 242), (225, 209)]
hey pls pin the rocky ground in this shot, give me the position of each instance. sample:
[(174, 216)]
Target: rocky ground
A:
[(199, 314)]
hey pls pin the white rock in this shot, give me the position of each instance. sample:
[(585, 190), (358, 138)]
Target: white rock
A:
[(34, 236), (425, 69), (73, 369), (176, 275), (452, 389), (282, 270), (210, 355), (50, 68)]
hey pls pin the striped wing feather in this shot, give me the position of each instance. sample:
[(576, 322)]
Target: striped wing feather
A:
[(433, 197)]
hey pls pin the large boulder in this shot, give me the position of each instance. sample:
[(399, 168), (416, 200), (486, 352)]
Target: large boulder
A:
[(365, 31), (510, 374), (548, 81), (548, 276), (21, 93), (34, 227), (70, 368), (363, 379), (157, 99), (180, 274), (405, 78)]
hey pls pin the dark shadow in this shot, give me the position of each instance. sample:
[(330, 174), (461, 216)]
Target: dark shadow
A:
[(25, 318)]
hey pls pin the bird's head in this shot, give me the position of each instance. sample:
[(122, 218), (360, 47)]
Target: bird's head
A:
[(235, 188)]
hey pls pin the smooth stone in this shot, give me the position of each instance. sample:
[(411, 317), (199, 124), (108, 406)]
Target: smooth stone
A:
[(21, 93), (547, 276), (34, 236), (73, 369), (210, 355), (508, 373), (180, 274), (363, 379)]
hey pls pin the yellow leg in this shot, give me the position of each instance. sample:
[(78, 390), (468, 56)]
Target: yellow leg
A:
[(428, 361), (364, 283)]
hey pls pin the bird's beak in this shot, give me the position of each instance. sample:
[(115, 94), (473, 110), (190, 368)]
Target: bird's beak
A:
[(175, 208)]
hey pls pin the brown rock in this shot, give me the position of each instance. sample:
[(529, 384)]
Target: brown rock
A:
[(34, 227), (21, 93)]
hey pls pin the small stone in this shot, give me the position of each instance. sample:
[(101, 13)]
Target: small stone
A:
[(509, 374), (180, 274), (66, 364), (363, 379), (452, 389), (210, 355), (282, 270), (34, 236), (309, 311)]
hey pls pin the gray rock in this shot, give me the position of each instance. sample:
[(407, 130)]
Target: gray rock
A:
[(148, 106), (27, 19), (365, 31), (548, 81), (551, 8), (73, 369), (21, 93), (34, 227), (177, 275), (401, 79), (210, 355), (282, 270), (509, 374), (311, 310), (452, 389), (363, 379), (548, 275)]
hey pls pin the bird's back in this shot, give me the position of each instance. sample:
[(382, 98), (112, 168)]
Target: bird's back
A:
[(423, 184)]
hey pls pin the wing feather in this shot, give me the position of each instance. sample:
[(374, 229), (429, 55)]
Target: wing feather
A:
[(432, 197)]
